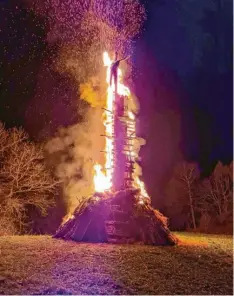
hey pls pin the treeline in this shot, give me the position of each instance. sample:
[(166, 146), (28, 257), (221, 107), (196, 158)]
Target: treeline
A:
[(202, 204)]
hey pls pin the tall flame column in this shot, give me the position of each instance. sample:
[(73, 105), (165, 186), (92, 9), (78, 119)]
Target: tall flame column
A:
[(121, 152)]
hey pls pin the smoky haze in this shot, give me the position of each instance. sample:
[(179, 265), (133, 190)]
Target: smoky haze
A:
[(79, 32)]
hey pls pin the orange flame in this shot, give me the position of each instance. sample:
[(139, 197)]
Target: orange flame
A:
[(101, 182), (103, 176), (131, 133)]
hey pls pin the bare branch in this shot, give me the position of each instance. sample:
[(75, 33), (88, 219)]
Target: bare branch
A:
[(24, 179)]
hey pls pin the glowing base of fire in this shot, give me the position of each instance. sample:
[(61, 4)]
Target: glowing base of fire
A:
[(103, 184)]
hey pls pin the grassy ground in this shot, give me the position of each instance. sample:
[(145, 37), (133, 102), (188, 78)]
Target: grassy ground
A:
[(201, 264)]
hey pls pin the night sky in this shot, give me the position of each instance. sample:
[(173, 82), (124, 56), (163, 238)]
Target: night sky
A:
[(184, 64), (183, 78)]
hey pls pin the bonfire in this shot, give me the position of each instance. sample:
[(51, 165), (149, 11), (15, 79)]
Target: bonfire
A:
[(119, 211)]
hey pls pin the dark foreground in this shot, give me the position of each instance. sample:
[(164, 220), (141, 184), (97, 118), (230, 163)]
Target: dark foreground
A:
[(42, 265)]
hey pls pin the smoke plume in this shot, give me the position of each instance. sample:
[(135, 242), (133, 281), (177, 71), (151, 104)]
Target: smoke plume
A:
[(81, 31)]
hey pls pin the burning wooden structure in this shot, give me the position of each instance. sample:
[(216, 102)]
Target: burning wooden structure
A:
[(120, 210), (117, 218)]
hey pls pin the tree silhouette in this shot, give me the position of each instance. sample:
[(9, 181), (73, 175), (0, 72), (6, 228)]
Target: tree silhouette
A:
[(216, 192), (24, 180), (181, 192)]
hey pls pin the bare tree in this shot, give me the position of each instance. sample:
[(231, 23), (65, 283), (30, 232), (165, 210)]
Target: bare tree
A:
[(24, 179), (181, 190), (216, 192), (189, 175)]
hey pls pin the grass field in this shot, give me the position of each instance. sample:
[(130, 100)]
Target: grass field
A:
[(201, 264)]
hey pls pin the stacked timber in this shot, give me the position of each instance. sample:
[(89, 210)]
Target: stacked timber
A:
[(117, 218)]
